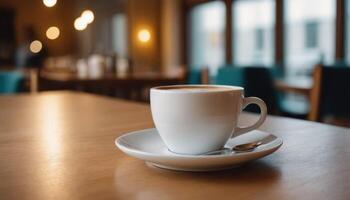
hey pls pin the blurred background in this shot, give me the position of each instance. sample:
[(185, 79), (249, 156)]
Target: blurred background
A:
[(294, 54)]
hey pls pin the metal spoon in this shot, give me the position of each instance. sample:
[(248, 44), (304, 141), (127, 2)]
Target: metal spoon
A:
[(246, 147), (239, 148)]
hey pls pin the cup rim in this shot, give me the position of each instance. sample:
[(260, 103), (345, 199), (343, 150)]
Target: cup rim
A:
[(168, 88)]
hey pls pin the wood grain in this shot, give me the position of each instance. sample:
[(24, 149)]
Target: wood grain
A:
[(60, 145)]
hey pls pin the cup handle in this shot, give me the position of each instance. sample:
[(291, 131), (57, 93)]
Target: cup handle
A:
[(263, 115)]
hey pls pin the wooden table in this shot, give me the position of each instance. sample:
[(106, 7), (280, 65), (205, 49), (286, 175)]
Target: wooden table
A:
[(132, 86), (147, 78), (60, 145)]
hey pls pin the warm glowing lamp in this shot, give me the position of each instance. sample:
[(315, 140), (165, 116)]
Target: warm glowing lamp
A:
[(80, 24), (49, 3), (144, 35), (52, 33), (88, 16), (35, 46)]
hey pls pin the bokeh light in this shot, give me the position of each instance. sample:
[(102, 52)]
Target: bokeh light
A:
[(49, 3), (80, 24), (144, 35), (35, 46), (88, 16), (53, 32)]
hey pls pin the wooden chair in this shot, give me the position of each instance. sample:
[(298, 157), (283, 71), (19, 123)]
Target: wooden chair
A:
[(33, 81), (330, 96)]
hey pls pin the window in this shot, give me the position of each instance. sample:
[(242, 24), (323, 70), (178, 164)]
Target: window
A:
[(253, 32), (207, 35), (309, 34), (119, 28), (259, 39)]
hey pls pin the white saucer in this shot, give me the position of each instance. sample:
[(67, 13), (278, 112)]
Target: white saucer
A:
[(148, 146)]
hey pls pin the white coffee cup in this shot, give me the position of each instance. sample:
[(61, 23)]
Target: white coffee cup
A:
[(196, 119)]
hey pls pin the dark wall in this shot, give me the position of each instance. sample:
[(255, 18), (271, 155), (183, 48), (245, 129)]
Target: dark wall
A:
[(7, 36)]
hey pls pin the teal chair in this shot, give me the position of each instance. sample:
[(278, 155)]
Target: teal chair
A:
[(193, 76), (230, 75), (10, 82), (276, 71), (257, 81), (198, 76), (333, 93), (340, 63)]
